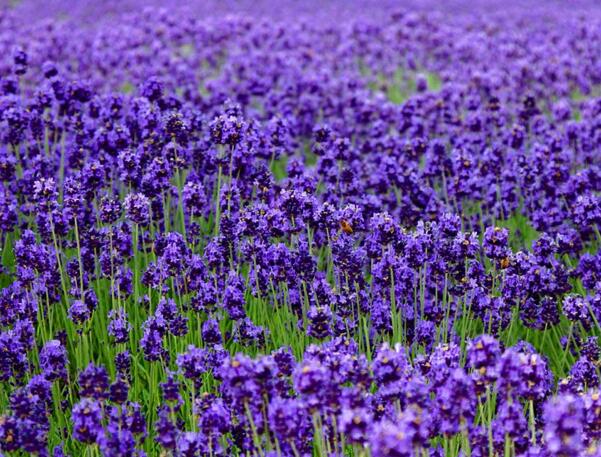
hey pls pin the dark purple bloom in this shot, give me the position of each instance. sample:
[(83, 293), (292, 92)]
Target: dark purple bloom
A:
[(53, 360), (564, 426), (118, 326), (165, 430), (137, 208), (93, 382), (87, 420)]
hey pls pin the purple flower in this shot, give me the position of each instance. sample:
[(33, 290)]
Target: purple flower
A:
[(170, 389), (118, 391), (87, 421), (123, 363), (227, 129), (152, 89), (576, 309), (191, 444), (165, 430), (289, 422), (211, 334), (193, 364), (118, 326), (592, 412), (484, 353), (456, 402), (213, 417), (495, 243), (390, 368), (320, 318), (390, 439), (53, 360), (137, 208), (355, 424), (194, 198), (564, 426), (152, 339), (110, 210), (9, 434), (93, 382), (79, 312)]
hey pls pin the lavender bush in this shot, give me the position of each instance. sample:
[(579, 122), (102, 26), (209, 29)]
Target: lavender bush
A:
[(339, 228)]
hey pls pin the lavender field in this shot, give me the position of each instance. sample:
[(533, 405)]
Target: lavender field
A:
[(300, 228)]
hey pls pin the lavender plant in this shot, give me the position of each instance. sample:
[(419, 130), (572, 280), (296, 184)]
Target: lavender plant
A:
[(294, 229)]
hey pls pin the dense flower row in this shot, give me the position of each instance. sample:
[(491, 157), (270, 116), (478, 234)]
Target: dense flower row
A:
[(291, 236), (334, 397)]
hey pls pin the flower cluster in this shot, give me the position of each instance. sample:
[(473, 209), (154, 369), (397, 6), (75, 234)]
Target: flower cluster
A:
[(272, 233)]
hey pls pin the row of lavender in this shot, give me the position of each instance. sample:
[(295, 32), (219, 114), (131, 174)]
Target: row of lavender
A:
[(293, 236)]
